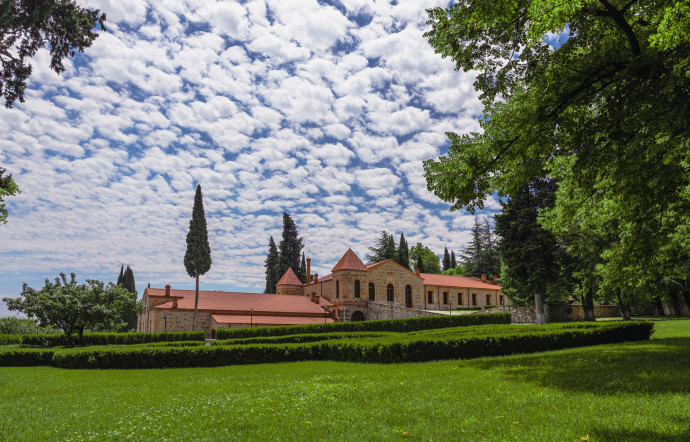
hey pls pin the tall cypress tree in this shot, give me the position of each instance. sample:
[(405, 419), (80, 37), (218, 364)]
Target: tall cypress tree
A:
[(122, 275), (403, 252), (197, 258), (472, 256), (303, 270), (453, 264), (290, 248), (128, 283), (391, 251), (128, 280), (272, 260), (446, 259)]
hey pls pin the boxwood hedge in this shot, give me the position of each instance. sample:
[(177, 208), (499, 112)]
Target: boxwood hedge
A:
[(390, 348), (389, 325), (55, 340)]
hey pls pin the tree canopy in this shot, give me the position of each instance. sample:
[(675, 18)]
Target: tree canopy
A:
[(74, 307), (63, 27), (7, 188), (604, 112), (429, 259), (384, 249), (197, 258), (290, 248)]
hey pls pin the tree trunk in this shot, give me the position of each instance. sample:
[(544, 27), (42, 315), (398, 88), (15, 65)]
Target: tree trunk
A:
[(658, 306), (686, 298), (196, 303), (625, 310), (588, 306), (675, 303), (81, 335), (539, 308)]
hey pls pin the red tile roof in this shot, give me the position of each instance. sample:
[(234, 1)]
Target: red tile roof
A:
[(457, 281), (349, 261), (221, 302), (289, 278), (268, 320)]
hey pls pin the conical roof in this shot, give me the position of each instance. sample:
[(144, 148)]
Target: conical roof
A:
[(289, 278), (349, 261)]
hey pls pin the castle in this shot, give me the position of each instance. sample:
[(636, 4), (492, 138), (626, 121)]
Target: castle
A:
[(351, 292)]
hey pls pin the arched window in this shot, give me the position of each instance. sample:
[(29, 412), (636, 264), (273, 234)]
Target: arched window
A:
[(390, 296), (356, 288), (337, 289), (372, 292), (430, 297), (408, 296)]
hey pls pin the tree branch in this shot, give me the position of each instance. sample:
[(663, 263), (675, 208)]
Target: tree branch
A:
[(617, 16)]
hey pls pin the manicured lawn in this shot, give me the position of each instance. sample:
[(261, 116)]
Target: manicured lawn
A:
[(630, 391)]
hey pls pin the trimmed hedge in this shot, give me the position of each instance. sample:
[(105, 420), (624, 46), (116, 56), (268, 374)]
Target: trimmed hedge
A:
[(55, 340), (9, 339), (298, 339), (467, 309), (25, 357), (386, 349), (388, 325)]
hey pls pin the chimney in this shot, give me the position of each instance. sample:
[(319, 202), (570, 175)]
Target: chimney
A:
[(174, 303), (495, 279), (167, 290), (316, 277), (417, 272), (483, 277), (317, 299), (308, 271)]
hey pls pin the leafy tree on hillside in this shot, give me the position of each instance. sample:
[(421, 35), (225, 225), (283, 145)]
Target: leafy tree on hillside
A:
[(74, 307), (197, 258), (446, 259), (429, 260), (271, 265), (604, 113), (290, 248), (403, 257), (62, 27), (7, 188)]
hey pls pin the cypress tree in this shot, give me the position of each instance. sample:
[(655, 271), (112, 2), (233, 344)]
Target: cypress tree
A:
[(420, 265), (403, 252), (303, 270), (128, 280), (122, 275), (391, 250), (453, 264), (197, 258), (446, 259), (290, 248), (271, 267), (128, 283), (472, 256)]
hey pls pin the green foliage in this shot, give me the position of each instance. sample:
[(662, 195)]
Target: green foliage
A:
[(469, 308), (481, 255), (16, 325), (403, 255), (429, 260), (62, 27), (7, 188), (446, 259), (121, 277), (453, 263), (604, 114), (389, 325), (271, 264), (303, 270), (56, 340), (73, 307), (197, 258), (290, 248), (383, 249), (128, 281), (458, 270)]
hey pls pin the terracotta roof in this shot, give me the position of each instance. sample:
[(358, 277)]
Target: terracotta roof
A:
[(457, 281), (349, 261), (376, 264), (220, 302), (268, 320), (289, 278)]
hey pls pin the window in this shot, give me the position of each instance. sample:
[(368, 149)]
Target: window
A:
[(408, 296), (503, 300), (390, 295), (474, 299), (445, 298), (430, 297), (372, 292), (488, 299), (356, 288), (337, 289), (459, 298)]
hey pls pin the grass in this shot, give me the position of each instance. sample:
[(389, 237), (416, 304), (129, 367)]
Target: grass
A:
[(629, 391)]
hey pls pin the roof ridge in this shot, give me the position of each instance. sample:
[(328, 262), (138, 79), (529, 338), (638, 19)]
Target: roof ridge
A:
[(349, 261), (289, 278)]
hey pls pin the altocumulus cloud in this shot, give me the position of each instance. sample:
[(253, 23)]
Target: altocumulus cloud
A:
[(322, 110)]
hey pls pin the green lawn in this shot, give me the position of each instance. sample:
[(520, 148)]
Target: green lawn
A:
[(630, 391)]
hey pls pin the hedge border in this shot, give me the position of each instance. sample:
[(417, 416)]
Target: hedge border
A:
[(56, 340)]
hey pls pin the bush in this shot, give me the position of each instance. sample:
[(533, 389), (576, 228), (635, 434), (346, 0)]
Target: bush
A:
[(389, 325), (467, 309), (297, 339), (55, 340), (490, 306), (25, 357), (9, 339), (389, 348)]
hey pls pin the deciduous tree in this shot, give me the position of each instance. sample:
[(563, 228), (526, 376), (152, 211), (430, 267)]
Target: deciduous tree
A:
[(7, 188), (429, 260)]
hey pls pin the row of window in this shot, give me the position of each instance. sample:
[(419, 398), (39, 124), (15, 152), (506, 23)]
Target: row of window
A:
[(430, 298), (390, 292)]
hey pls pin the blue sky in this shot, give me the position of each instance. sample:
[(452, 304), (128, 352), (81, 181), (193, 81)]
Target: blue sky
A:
[(323, 110)]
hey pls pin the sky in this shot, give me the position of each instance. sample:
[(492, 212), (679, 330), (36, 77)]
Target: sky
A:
[(324, 110)]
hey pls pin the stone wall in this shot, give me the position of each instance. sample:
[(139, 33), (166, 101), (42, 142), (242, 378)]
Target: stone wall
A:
[(286, 289), (577, 312), (556, 312), (669, 310), (384, 310), (461, 297), (393, 273)]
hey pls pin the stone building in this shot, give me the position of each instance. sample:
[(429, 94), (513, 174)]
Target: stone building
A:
[(351, 292)]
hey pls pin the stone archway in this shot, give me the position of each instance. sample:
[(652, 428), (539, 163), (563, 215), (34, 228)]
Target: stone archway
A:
[(357, 316)]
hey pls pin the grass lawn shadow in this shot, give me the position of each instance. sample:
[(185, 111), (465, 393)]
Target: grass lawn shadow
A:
[(653, 367), (679, 433)]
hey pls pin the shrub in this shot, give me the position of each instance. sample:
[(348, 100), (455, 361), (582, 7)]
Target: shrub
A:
[(24, 357), (467, 309), (8, 339), (390, 348), (55, 340), (490, 306), (297, 339), (389, 325)]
